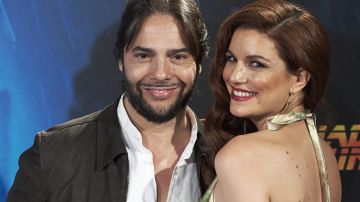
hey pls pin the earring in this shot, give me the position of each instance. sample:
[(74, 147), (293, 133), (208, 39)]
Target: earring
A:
[(288, 102)]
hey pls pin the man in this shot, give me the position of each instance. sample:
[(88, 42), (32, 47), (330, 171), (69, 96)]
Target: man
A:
[(146, 146)]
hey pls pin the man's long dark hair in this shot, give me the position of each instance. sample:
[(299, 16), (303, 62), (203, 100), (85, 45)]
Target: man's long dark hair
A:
[(187, 14)]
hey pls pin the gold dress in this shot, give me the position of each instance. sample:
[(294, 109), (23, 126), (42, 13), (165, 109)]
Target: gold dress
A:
[(277, 122)]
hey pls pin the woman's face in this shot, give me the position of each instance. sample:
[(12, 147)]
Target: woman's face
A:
[(255, 76)]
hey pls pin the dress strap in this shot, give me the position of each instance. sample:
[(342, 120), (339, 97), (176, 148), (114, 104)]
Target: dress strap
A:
[(325, 189), (278, 121), (209, 195)]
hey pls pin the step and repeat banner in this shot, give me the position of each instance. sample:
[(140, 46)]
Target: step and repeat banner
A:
[(57, 63)]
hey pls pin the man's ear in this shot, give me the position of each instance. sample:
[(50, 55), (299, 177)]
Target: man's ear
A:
[(200, 69), (302, 78), (120, 65)]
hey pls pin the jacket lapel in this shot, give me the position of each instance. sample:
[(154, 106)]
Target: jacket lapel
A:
[(110, 141)]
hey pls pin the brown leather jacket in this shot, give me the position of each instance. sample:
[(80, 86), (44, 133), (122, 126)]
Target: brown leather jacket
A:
[(81, 160)]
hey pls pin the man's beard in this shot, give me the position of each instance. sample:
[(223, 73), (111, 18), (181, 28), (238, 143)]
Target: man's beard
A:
[(142, 107)]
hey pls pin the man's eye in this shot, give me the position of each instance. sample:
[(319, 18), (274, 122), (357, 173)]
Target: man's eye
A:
[(179, 57), (142, 56), (230, 58)]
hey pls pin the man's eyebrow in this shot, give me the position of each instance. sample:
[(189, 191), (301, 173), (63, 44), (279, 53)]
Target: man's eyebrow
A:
[(180, 50), (142, 49)]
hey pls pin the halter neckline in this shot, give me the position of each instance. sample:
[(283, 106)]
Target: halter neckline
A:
[(278, 121)]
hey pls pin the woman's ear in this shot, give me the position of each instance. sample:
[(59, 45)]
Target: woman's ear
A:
[(302, 78)]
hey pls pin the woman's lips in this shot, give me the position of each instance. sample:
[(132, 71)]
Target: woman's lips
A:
[(242, 95)]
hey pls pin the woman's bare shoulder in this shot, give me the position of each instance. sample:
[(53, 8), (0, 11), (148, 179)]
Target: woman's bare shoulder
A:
[(253, 152), (246, 166)]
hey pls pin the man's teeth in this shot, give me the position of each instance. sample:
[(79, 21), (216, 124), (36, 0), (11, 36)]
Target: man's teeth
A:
[(159, 91), (243, 94)]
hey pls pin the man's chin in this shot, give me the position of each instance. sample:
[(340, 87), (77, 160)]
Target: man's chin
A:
[(160, 105), (160, 113)]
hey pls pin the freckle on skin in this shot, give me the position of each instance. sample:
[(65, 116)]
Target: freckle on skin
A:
[(297, 166), (287, 152), (299, 175)]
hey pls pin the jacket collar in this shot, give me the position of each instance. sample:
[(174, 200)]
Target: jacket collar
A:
[(201, 150), (109, 141)]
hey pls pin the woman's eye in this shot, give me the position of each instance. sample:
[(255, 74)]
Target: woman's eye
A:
[(230, 58), (256, 64)]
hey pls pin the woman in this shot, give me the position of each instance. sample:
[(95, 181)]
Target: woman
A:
[(269, 73)]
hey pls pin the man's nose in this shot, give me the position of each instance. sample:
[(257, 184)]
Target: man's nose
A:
[(162, 69)]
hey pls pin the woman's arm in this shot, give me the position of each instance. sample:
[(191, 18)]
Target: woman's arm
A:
[(241, 173)]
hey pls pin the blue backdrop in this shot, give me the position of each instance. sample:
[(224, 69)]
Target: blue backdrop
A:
[(56, 63), (46, 48)]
